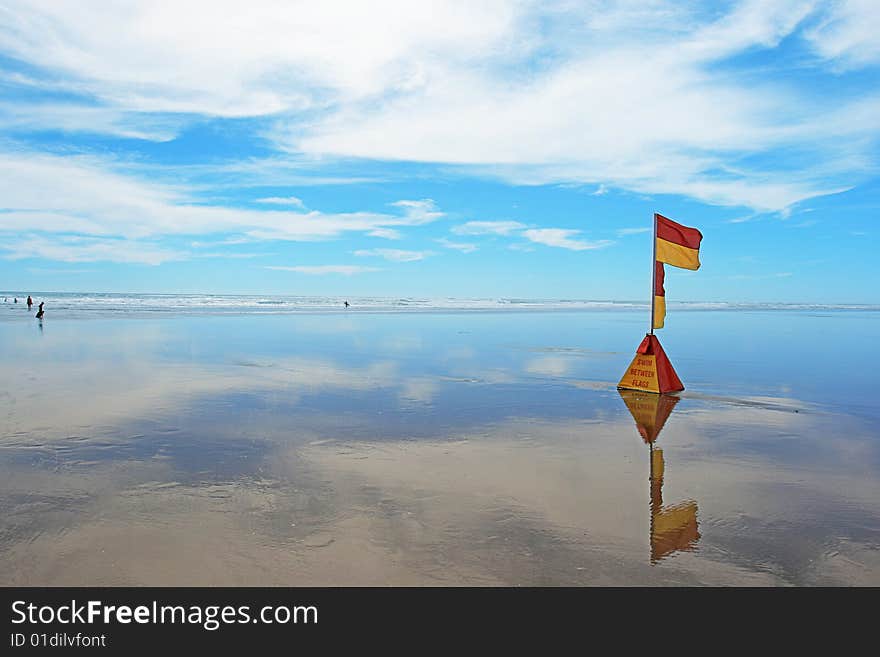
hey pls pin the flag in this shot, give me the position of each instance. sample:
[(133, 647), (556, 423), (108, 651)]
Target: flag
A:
[(677, 245), (659, 295)]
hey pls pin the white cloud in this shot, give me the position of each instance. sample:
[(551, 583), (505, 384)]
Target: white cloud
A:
[(320, 270), (848, 33), (59, 272), (396, 255), (744, 218), (464, 247), (667, 174), (229, 256), (419, 212), (229, 241), (225, 58), (563, 238), (645, 112), (73, 117), (87, 249), (487, 228), (283, 200), (276, 171), (639, 96), (759, 277), (84, 195), (386, 233), (633, 231)]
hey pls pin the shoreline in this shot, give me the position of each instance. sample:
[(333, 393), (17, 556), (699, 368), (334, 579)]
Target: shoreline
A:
[(93, 314)]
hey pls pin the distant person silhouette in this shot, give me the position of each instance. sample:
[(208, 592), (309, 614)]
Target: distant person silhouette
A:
[(39, 314), (15, 300), (30, 302), (346, 304)]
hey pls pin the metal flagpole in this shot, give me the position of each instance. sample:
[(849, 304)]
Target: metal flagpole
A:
[(653, 507), (654, 274)]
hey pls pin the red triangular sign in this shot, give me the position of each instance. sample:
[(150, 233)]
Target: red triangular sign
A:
[(650, 370)]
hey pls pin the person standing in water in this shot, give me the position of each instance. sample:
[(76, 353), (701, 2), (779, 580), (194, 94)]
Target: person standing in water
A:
[(346, 304), (39, 314), (30, 302)]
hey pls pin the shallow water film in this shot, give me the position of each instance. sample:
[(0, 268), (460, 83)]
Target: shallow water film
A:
[(437, 448)]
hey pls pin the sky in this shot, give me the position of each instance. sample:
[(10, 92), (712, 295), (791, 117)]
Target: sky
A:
[(440, 148)]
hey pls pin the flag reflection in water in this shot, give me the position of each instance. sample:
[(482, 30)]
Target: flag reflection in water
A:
[(673, 527)]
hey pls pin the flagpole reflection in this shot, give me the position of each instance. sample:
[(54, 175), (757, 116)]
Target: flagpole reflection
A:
[(673, 527)]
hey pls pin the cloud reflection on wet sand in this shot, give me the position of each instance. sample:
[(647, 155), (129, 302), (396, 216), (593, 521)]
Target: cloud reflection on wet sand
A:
[(290, 469)]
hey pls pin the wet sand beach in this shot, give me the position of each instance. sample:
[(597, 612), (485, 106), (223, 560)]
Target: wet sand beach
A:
[(443, 448)]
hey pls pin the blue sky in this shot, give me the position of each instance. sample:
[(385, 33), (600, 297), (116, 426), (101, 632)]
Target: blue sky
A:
[(445, 148)]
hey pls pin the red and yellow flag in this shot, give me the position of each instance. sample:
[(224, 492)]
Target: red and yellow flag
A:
[(678, 246), (659, 295)]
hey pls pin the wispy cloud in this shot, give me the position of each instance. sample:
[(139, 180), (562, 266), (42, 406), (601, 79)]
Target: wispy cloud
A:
[(320, 270), (396, 255), (96, 119), (464, 247), (419, 212), (232, 255), (744, 218), (283, 200), (563, 239), (500, 89), (385, 233), (228, 241), (287, 170), (758, 277), (487, 228), (847, 33), (59, 272), (622, 232), (224, 59), (698, 135), (458, 85), (87, 249), (85, 195)]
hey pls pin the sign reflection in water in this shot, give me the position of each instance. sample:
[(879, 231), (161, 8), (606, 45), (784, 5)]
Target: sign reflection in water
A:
[(673, 527)]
